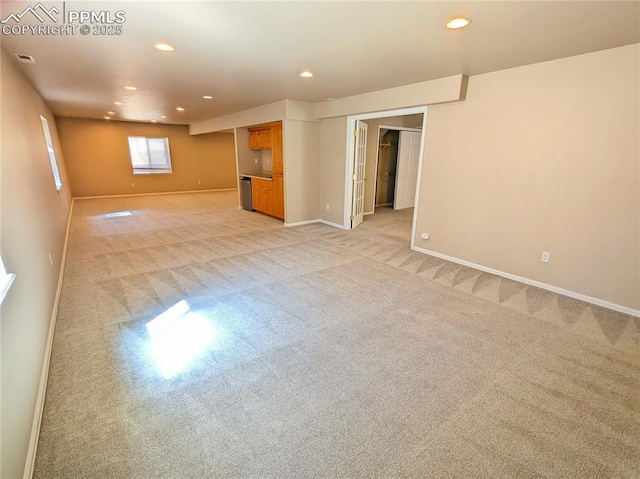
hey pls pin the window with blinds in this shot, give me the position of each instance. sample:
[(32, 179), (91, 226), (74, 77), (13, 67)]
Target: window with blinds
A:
[(149, 155)]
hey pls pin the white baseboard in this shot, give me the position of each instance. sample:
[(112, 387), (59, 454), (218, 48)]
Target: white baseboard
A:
[(366, 213), (44, 373), (308, 222), (301, 223), (532, 282), (153, 194), (335, 225)]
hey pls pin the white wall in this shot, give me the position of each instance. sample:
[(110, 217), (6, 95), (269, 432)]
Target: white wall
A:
[(430, 92), (255, 116), (34, 217), (539, 158), (280, 110)]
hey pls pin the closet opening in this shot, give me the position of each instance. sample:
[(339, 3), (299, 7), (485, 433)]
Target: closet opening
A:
[(387, 163), (397, 160)]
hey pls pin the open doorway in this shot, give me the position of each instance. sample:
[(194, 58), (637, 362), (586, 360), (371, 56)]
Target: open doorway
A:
[(363, 200)]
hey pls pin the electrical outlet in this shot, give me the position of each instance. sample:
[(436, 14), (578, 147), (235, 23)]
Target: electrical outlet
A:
[(256, 160), (328, 207), (424, 236), (545, 256)]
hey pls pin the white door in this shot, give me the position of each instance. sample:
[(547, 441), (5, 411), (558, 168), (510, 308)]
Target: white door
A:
[(407, 169), (357, 210)]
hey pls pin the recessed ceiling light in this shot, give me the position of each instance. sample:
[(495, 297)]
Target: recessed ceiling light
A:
[(165, 47), (130, 88), (306, 74), (207, 97), (179, 108), (329, 98), (117, 103), (154, 121), (107, 118), (458, 22), (111, 113), (163, 117)]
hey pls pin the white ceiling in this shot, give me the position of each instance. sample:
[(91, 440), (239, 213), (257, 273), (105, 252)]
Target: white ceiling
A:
[(247, 54)]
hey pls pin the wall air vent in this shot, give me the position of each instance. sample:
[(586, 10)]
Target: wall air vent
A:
[(22, 58)]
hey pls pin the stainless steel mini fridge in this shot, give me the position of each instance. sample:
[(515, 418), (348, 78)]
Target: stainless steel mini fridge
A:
[(245, 193)]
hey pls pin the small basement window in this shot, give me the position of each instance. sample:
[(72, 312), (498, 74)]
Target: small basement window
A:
[(6, 279), (51, 152), (149, 155)]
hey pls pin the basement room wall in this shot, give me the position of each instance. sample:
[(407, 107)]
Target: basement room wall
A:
[(34, 219), (539, 158), (98, 161), (333, 143), (301, 144)]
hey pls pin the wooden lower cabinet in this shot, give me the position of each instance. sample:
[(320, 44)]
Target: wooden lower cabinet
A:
[(262, 195), (278, 196), (268, 196)]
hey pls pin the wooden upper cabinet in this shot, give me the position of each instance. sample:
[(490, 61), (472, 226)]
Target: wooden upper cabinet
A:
[(276, 146), (253, 140), (267, 137), (260, 138)]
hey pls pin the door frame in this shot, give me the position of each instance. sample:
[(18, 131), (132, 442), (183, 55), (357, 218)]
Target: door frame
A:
[(350, 155), (375, 186)]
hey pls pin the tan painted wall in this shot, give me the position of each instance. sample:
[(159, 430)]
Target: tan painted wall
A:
[(34, 218), (542, 158), (413, 121), (98, 162), (333, 141), (301, 143)]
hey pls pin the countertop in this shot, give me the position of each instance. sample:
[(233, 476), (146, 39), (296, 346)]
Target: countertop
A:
[(258, 175)]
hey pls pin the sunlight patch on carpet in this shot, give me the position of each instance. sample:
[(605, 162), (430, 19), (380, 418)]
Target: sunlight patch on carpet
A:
[(178, 337), (117, 214)]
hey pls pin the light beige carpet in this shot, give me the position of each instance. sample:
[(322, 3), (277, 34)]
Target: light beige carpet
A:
[(314, 352)]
